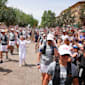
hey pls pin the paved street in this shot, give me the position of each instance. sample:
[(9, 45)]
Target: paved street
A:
[(12, 74)]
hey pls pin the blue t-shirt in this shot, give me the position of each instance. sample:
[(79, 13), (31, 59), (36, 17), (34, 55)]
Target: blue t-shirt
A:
[(82, 37)]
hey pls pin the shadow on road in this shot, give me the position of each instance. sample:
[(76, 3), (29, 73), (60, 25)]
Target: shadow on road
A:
[(30, 65), (15, 54), (12, 60), (5, 70)]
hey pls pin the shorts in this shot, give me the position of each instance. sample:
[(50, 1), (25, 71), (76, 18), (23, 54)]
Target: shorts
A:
[(11, 43), (4, 48), (43, 68)]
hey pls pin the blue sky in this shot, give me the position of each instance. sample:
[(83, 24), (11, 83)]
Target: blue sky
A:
[(37, 7)]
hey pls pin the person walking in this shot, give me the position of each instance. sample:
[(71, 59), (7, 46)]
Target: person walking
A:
[(12, 39), (46, 55), (22, 50), (58, 72), (4, 45)]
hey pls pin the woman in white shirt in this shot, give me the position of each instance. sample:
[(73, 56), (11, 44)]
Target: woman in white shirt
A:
[(22, 50)]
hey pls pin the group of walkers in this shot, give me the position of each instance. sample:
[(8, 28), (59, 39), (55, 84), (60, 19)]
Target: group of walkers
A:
[(9, 39), (61, 52), (61, 56)]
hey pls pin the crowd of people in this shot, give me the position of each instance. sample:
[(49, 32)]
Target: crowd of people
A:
[(61, 55), (61, 52), (11, 38)]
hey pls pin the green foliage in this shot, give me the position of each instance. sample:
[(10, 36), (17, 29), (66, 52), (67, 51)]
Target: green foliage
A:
[(3, 2), (7, 15), (48, 19), (12, 16)]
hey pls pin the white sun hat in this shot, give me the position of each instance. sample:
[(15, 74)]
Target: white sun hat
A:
[(2, 30), (50, 37), (12, 29), (66, 37), (44, 35), (64, 50)]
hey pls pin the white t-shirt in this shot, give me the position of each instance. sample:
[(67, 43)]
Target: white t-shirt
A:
[(64, 36), (63, 75)]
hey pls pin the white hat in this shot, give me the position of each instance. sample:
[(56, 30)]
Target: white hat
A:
[(50, 37), (21, 36), (64, 50), (12, 29), (64, 30), (17, 30), (44, 35), (66, 37), (2, 30)]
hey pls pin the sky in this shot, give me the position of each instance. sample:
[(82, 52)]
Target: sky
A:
[(37, 7)]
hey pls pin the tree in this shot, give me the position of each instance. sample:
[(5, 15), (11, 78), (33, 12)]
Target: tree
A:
[(11, 16), (3, 3), (7, 15), (23, 19), (48, 19)]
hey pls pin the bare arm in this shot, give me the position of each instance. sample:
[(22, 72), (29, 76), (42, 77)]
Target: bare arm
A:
[(74, 55), (75, 81), (39, 55), (56, 52)]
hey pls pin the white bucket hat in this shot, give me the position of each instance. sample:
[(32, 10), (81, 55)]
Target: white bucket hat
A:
[(66, 37), (50, 37), (64, 50), (2, 30), (12, 29)]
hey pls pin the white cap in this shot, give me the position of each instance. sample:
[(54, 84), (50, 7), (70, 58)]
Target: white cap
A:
[(64, 50), (50, 37), (12, 29), (2, 30), (21, 36), (64, 31), (66, 37), (44, 35), (17, 30)]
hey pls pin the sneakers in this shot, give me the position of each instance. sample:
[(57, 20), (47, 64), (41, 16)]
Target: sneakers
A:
[(1, 61)]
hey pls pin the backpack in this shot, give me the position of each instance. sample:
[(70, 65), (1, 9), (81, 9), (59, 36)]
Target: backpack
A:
[(20, 34), (44, 50), (4, 39), (12, 36), (56, 78)]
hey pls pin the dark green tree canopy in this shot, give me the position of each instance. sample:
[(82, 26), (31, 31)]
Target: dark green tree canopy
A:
[(11, 16), (48, 19), (3, 2)]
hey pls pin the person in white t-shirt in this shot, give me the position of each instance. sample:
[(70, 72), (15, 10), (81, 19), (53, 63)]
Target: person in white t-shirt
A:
[(62, 73), (64, 35), (22, 50)]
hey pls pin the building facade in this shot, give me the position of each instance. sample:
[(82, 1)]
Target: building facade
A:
[(77, 11)]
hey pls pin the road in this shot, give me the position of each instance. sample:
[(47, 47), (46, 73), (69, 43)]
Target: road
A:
[(12, 74)]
